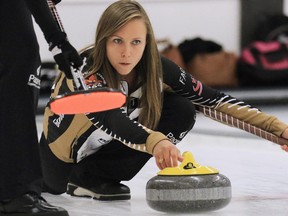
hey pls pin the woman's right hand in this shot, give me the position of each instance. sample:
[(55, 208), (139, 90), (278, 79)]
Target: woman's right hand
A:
[(285, 135), (166, 154), (285, 148)]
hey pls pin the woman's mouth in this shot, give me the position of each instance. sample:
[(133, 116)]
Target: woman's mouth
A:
[(125, 64)]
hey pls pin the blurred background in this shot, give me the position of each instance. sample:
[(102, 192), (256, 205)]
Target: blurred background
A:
[(205, 37), (176, 20)]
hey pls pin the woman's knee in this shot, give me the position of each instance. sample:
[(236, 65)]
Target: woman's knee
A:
[(181, 108), (178, 117)]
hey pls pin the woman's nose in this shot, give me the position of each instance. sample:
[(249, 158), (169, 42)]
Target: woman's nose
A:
[(126, 51)]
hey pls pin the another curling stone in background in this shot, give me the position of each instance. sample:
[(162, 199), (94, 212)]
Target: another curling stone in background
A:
[(188, 188)]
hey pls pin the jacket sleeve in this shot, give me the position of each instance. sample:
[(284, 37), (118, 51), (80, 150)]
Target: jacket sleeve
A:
[(186, 85), (44, 18), (113, 122)]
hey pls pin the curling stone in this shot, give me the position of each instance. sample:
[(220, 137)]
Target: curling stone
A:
[(188, 188)]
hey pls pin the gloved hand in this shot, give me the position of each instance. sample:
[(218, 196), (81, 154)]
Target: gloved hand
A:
[(56, 1), (65, 54)]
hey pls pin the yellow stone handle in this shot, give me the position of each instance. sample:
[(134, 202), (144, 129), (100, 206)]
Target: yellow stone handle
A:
[(188, 167)]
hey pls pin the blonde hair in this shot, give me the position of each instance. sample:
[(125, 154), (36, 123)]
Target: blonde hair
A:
[(149, 68)]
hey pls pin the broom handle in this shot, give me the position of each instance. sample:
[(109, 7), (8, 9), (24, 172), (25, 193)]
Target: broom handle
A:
[(233, 122), (77, 75), (55, 14)]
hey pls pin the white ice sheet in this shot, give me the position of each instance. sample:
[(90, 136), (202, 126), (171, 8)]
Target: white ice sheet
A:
[(257, 170)]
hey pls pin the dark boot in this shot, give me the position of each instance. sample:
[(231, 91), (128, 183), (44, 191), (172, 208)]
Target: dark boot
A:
[(104, 191), (30, 205)]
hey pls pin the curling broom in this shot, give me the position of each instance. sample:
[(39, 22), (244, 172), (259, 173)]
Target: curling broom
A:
[(83, 100)]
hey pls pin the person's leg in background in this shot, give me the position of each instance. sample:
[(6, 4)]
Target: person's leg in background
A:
[(19, 86), (21, 174)]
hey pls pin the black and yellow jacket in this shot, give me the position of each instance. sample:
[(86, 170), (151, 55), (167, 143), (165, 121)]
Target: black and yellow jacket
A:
[(73, 137)]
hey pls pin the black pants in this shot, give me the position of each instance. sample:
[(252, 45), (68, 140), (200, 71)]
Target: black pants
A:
[(115, 161), (19, 83)]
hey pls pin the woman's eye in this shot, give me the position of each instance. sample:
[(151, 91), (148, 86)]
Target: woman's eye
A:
[(135, 42), (117, 40)]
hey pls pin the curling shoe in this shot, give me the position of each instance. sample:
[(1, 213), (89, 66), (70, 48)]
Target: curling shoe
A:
[(30, 205), (104, 191)]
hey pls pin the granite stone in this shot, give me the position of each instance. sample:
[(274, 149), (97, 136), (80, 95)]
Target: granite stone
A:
[(191, 193)]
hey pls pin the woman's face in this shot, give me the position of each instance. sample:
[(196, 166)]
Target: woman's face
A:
[(126, 46)]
